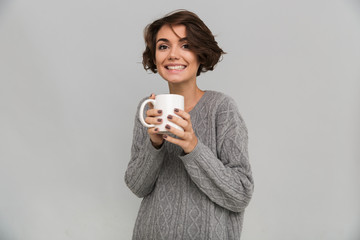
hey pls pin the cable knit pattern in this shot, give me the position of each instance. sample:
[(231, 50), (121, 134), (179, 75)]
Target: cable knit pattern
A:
[(200, 195)]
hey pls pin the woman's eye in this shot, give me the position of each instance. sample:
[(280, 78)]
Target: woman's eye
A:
[(162, 47), (185, 46)]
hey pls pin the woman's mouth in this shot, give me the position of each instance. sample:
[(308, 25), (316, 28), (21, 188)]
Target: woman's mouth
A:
[(175, 67)]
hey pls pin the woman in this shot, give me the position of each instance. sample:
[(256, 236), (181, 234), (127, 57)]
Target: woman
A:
[(196, 184)]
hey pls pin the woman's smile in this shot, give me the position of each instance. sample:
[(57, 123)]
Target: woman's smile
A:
[(175, 67)]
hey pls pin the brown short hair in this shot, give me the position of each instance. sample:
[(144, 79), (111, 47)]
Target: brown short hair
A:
[(201, 40)]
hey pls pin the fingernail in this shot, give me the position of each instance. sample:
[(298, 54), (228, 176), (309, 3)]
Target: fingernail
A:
[(159, 119), (169, 117), (176, 110), (159, 111), (167, 126)]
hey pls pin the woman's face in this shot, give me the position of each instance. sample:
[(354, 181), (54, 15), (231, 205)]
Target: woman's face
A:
[(173, 58)]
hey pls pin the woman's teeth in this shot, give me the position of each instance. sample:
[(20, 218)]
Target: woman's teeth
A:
[(175, 67)]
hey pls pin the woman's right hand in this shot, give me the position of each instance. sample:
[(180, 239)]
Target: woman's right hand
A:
[(156, 139)]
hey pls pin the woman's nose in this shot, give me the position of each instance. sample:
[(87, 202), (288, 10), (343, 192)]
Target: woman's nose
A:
[(173, 54)]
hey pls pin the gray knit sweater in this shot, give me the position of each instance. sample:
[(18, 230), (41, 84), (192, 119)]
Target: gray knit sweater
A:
[(201, 195)]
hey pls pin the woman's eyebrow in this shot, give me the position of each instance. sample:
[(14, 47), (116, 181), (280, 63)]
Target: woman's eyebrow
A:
[(167, 40), (162, 39)]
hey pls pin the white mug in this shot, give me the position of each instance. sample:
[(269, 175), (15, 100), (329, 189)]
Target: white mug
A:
[(167, 103)]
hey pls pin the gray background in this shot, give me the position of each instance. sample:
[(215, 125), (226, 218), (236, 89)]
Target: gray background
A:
[(71, 78)]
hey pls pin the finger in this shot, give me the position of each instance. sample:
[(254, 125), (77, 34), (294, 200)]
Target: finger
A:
[(173, 140), (179, 133), (152, 120), (186, 116), (152, 96), (187, 145), (153, 130), (153, 112), (182, 114), (178, 121)]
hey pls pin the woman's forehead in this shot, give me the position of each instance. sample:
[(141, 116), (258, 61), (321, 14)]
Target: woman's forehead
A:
[(167, 31)]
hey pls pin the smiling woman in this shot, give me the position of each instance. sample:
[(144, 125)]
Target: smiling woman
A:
[(195, 183), (198, 38), (174, 60)]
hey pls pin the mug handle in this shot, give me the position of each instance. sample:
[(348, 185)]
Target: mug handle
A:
[(141, 113)]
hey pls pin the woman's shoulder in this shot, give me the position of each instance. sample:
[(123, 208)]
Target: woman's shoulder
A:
[(226, 108), (218, 95), (220, 99)]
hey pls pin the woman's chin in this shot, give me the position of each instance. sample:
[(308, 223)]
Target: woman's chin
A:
[(176, 79)]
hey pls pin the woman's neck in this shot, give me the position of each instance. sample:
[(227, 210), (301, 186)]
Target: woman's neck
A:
[(192, 94)]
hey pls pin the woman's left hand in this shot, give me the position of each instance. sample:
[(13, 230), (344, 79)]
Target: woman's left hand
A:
[(187, 139)]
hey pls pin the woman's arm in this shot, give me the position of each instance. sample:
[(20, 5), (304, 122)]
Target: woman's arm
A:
[(145, 163), (225, 177)]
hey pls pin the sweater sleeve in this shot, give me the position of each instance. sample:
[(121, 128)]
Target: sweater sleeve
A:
[(145, 162), (224, 176)]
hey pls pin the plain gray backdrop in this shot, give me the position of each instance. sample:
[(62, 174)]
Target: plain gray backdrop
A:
[(71, 78)]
